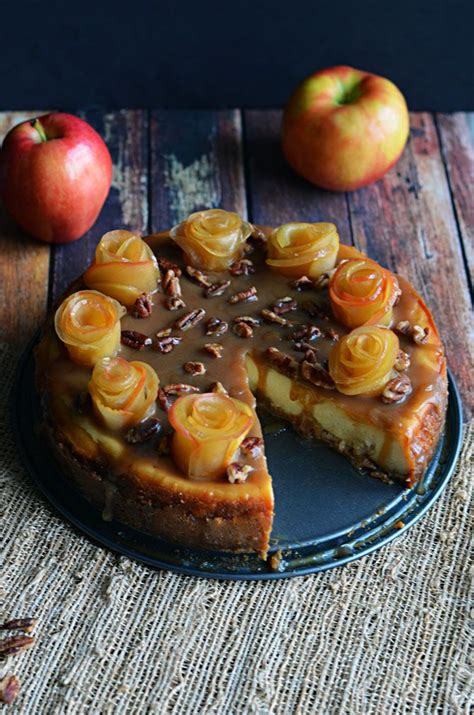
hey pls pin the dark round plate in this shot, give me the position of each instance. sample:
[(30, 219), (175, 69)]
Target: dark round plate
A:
[(326, 512)]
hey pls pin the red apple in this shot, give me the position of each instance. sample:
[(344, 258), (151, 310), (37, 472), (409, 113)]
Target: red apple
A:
[(55, 174), (344, 128)]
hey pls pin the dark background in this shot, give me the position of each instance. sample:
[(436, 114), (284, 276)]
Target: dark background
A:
[(206, 54)]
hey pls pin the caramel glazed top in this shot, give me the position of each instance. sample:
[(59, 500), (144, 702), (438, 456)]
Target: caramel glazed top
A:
[(199, 326)]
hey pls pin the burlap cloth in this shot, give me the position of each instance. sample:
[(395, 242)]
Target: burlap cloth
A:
[(386, 634)]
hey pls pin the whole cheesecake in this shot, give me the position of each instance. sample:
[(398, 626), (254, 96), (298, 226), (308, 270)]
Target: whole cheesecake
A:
[(150, 371)]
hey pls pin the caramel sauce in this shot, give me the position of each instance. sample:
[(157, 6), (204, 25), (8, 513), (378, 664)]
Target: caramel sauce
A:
[(427, 370)]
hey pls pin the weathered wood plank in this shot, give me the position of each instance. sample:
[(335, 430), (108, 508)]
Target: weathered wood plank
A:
[(277, 194), (24, 264), (126, 134), (196, 163), (406, 222), (457, 146)]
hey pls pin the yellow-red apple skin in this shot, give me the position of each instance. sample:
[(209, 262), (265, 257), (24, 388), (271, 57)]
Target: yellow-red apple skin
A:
[(343, 147), (55, 188)]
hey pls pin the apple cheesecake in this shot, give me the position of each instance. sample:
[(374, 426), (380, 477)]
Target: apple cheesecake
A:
[(151, 367)]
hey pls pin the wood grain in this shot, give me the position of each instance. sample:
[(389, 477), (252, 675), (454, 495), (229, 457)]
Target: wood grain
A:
[(196, 163), (406, 221), (457, 146), (276, 193), (126, 135), (24, 264)]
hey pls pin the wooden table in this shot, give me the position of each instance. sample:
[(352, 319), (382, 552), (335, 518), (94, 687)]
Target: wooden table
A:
[(418, 220)]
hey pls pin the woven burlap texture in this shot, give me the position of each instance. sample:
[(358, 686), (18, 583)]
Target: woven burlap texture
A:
[(386, 634)]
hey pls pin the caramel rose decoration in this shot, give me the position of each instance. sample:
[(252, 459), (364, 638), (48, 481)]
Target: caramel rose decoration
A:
[(88, 323), (209, 428), (123, 393), (212, 240), (363, 361), (361, 292), (124, 267), (303, 249)]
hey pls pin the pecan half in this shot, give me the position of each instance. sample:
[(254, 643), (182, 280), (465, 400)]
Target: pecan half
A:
[(244, 267), (249, 296), (306, 332), (402, 362), (303, 283), (166, 265), (180, 388), (284, 305), (214, 349), (190, 320), (163, 400), (9, 689), (283, 362), (19, 624), (216, 326), (134, 339), (143, 431), (217, 289), (243, 330), (198, 276), (317, 375), (272, 317), (143, 306), (252, 446), (238, 473), (15, 645), (397, 389), (166, 345), (249, 319), (194, 368)]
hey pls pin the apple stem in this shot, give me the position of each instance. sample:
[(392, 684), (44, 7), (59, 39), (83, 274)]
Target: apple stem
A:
[(36, 124)]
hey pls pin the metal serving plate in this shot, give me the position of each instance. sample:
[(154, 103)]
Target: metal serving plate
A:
[(326, 512)]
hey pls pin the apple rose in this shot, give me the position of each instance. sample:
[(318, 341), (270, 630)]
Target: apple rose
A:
[(362, 362), (361, 292), (88, 323), (212, 239), (124, 267), (123, 393), (208, 430), (303, 249)]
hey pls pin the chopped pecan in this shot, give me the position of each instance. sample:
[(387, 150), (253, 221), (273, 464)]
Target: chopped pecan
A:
[(143, 306), (15, 645), (243, 330), (180, 388), (249, 296), (198, 276), (396, 389), (248, 248), (143, 431), (163, 400), (272, 317), (403, 327), (303, 283), (166, 345), (164, 333), (283, 362), (172, 288), (217, 289), (166, 265), (216, 326), (302, 346), (402, 362), (284, 305), (317, 375), (311, 355), (9, 689), (418, 334), (332, 334), (194, 368), (190, 320), (134, 339), (249, 319), (214, 349), (244, 267), (258, 234), (306, 332), (218, 387), (252, 446), (238, 473), (323, 280), (19, 624), (175, 302)]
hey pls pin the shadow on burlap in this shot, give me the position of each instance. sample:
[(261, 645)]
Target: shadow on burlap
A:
[(387, 634)]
